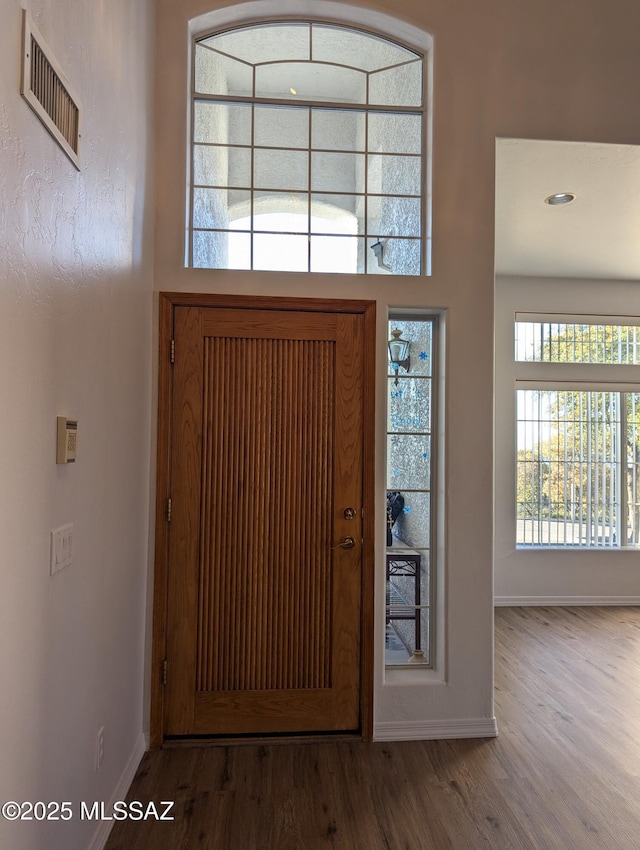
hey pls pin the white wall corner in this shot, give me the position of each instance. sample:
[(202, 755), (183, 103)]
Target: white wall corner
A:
[(120, 792), (431, 730)]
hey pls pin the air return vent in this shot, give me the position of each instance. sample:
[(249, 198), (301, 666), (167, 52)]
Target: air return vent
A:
[(48, 93)]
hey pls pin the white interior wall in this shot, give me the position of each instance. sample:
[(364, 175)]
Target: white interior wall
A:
[(75, 335), (548, 576), (500, 69)]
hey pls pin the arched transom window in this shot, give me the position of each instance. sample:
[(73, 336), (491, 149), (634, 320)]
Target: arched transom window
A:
[(307, 151)]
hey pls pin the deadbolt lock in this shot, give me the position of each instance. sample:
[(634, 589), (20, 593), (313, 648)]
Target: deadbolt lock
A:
[(349, 513)]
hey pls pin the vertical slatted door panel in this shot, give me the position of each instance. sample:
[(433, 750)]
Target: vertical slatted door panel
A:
[(263, 609), (265, 582)]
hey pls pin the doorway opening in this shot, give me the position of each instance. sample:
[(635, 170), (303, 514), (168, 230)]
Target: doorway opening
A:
[(264, 572)]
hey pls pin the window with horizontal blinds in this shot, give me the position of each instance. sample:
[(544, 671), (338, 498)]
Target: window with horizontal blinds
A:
[(577, 431)]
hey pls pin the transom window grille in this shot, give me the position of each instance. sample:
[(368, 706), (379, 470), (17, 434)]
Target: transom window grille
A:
[(410, 465), (577, 342), (578, 432), (307, 151)]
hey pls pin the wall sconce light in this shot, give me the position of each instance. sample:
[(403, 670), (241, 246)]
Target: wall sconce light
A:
[(398, 353), (378, 250)]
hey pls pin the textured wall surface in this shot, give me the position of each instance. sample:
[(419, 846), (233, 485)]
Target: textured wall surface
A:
[(75, 336)]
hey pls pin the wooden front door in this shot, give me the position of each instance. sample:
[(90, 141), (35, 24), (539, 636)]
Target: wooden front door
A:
[(264, 579)]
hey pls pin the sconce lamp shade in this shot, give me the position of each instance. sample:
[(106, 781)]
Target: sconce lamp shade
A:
[(398, 352), (398, 349)]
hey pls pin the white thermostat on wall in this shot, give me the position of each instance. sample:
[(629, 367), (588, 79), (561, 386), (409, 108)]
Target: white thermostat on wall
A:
[(67, 440)]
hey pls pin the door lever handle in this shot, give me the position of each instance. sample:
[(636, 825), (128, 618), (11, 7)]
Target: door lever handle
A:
[(345, 543)]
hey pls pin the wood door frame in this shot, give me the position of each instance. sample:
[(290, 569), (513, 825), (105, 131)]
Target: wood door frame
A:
[(168, 302)]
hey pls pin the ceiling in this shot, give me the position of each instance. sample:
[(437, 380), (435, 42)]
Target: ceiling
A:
[(595, 236)]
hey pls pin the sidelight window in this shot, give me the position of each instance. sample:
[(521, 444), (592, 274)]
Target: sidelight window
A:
[(410, 480)]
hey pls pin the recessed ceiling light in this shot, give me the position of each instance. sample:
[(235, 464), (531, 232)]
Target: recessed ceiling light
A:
[(293, 91), (560, 198)]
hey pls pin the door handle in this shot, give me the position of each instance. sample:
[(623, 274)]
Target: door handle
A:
[(345, 543)]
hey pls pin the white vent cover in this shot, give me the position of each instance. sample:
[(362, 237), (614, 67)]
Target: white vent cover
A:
[(47, 91)]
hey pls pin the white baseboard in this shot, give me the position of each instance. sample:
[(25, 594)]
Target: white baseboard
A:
[(431, 730), (121, 790), (566, 601)]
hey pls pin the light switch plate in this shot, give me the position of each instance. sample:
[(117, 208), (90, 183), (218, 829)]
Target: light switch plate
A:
[(61, 548)]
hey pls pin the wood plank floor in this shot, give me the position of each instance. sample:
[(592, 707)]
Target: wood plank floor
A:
[(563, 774)]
